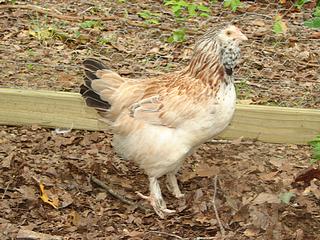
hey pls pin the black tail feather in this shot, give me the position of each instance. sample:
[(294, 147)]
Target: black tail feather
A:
[(92, 65), (92, 99)]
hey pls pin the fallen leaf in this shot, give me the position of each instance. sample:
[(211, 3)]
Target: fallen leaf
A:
[(286, 197), (27, 234), (28, 192), (204, 170), (315, 35), (266, 198), (6, 162), (307, 175), (277, 162), (251, 232), (43, 195), (75, 218), (312, 189), (279, 26), (258, 23), (101, 196), (259, 217)]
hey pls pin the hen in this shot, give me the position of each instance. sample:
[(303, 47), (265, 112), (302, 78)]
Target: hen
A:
[(157, 122)]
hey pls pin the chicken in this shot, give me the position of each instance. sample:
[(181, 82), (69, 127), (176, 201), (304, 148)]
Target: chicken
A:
[(158, 122)]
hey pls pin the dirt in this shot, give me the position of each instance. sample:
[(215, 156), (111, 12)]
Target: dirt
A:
[(256, 195)]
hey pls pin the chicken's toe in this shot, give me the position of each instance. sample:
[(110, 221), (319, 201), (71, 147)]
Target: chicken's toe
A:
[(158, 205)]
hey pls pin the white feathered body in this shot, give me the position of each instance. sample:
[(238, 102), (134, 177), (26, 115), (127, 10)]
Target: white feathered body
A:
[(159, 149)]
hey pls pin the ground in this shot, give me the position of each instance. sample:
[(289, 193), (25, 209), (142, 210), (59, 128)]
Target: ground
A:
[(253, 179)]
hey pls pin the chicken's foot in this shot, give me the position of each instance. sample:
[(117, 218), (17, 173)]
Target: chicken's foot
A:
[(156, 200), (172, 185)]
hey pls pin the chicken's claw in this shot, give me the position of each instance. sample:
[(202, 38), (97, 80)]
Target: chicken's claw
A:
[(158, 205)]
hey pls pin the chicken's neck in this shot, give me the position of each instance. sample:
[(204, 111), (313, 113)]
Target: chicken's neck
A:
[(208, 68)]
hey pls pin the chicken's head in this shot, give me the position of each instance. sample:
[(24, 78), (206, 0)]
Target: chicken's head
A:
[(231, 34)]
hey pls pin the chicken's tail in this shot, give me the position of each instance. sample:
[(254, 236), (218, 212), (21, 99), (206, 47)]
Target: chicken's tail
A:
[(89, 91)]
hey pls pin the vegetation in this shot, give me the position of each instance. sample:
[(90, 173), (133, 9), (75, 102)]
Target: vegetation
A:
[(315, 144)]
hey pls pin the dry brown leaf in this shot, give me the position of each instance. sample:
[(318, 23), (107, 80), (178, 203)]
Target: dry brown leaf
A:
[(307, 175), (28, 192), (204, 170), (251, 232), (6, 162), (258, 23), (101, 196), (269, 176), (44, 196), (277, 162), (75, 218), (31, 235), (315, 35), (57, 198), (266, 198)]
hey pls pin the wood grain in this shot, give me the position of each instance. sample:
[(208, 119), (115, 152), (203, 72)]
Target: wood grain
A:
[(67, 110)]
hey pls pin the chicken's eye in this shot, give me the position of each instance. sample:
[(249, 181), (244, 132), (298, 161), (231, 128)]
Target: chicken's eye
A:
[(228, 33)]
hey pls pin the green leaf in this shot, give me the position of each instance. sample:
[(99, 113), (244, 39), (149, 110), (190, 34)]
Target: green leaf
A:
[(177, 36), (204, 15), (203, 8), (176, 9), (316, 11), (299, 3), (286, 197), (144, 14), (313, 23), (152, 21), (279, 26), (89, 24), (192, 10), (232, 4), (315, 144)]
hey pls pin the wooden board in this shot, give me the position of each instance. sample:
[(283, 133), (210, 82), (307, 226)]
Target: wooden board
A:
[(67, 110)]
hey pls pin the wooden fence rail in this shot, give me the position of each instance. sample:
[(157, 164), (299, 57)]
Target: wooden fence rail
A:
[(62, 109)]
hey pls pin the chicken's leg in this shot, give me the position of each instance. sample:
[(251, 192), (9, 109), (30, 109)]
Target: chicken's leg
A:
[(173, 186), (156, 200)]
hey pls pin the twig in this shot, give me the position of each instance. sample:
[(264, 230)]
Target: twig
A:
[(222, 231), (31, 235), (5, 190), (56, 15), (117, 195), (205, 238), (50, 13), (168, 234)]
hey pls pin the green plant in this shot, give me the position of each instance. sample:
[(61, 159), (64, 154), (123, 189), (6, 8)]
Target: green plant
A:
[(29, 66), (279, 26), (178, 35), (313, 23), (42, 31), (90, 24), (315, 144), (149, 17), (243, 90), (316, 11), (299, 3), (180, 7), (232, 4)]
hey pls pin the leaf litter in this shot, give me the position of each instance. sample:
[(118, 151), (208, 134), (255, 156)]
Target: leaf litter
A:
[(265, 191)]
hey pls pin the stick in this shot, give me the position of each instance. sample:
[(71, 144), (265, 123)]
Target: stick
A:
[(222, 231), (116, 195), (167, 234), (56, 15), (5, 190), (50, 13), (31, 235)]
